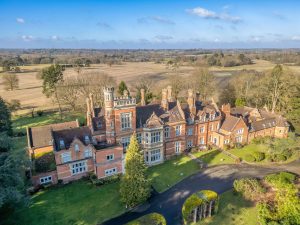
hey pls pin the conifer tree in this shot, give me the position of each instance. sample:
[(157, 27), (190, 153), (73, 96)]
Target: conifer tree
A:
[(135, 187), (122, 87)]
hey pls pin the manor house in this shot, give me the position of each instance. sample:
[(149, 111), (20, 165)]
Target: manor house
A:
[(163, 129)]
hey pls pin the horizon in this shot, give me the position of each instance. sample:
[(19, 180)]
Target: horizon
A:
[(149, 25)]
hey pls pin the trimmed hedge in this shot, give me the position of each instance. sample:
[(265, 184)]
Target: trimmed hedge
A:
[(259, 156), (196, 200), (149, 219), (280, 179)]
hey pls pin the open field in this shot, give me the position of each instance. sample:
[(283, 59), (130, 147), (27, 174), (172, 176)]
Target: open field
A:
[(30, 88)]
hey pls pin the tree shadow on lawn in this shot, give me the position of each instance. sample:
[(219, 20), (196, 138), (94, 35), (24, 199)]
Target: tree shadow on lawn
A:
[(209, 157)]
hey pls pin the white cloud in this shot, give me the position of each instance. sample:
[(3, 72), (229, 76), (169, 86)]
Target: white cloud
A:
[(207, 14), (27, 37), (296, 38), (55, 38), (163, 37), (157, 19), (20, 20)]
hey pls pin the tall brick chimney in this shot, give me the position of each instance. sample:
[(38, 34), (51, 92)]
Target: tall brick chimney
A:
[(197, 96), (164, 99), (143, 102), (91, 96), (226, 109), (169, 93), (191, 101), (88, 112)]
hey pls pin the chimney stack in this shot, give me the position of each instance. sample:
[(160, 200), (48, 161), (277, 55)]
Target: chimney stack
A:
[(164, 100), (143, 102), (226, 109), (92, 107), (191, 101), (88, 112), (169, 93), (197, 96)]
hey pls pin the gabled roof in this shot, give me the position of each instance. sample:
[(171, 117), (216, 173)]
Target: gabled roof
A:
[(42, 137), (229, 123), (154, 121), (69, 135)]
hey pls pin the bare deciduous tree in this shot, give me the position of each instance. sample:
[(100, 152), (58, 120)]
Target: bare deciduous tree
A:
[(10, 81)]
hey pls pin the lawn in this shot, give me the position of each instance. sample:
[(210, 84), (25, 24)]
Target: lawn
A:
[(171, 172), (248, 149), (214, 157), (21, 122), (77, 203), (233, 209)]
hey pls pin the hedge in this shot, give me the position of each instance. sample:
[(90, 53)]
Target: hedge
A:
[(248, 187), (259, 156), (280, 179), (149, 219), (196, 200)]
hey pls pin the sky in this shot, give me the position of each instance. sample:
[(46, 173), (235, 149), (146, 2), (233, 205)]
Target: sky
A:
[(146, 24)]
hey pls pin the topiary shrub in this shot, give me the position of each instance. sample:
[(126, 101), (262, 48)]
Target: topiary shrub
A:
[(195, 206), (259, 156), (249, 158), (151, 219)]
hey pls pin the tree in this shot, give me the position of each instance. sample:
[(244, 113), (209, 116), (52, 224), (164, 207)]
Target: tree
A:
[(177, 84), (51, 76), (5, 122), (135, 187), (146, 84), (122, 87), (10, 81), (14, 105), (240, 102), (203, 81), (228, 95)]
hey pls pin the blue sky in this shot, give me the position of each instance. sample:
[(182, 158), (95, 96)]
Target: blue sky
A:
[(149, 24)]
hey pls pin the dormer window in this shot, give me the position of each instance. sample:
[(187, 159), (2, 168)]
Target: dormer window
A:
[(61, 144), (86, 139), (99, 124), (76, 148), (212, 116)]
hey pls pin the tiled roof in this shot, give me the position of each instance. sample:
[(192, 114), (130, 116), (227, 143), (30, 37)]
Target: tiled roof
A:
[(69, 135), (229, 123), (143, 113), (41, 136)]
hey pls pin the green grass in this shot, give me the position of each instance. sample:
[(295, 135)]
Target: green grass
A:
[(248, 149), (171, 172), (214, 157), (233, 209), (19, 123), (77, 203)]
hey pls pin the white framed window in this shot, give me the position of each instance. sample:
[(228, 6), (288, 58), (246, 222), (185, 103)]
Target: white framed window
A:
[(190, 132), (155, 137), (110, 172), (125, 121), (155, 155), (240, 131), (87, 139), (139, 138), (202, 129), (110, 157), (78, 167), (46, 180), (189, 143), (177, 147), (61, 144), (178, 130), (202, 141), (212, 116), (88, 153), (239, 139), (167, 132), (125, 142), (226, 141), (66, 157), (76, 148), (147, 138)]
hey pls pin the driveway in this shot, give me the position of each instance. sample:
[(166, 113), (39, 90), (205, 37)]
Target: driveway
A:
[(218, 178)]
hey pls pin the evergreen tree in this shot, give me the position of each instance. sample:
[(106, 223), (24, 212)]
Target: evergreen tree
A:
[(122, 87), (240, 102), (5, 123), (135, 187)]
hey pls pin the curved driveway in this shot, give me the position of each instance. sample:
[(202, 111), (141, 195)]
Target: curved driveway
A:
[(218, 178)]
